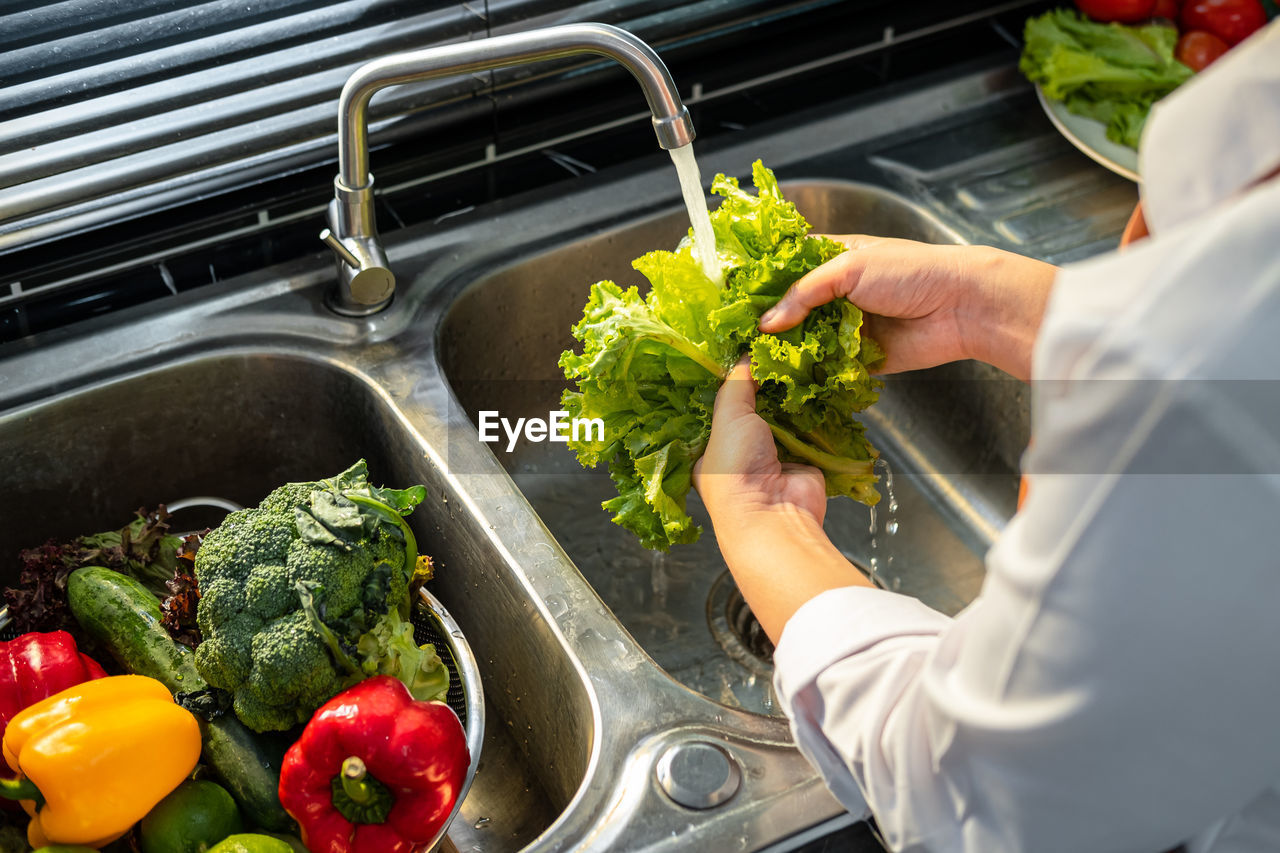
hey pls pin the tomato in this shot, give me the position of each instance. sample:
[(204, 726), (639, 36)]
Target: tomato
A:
[(1198, 49), (1230, 20), (1165, 9), (1125, 11)]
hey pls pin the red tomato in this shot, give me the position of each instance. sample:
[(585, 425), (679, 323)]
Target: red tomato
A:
[(1165, 9), (1125, 11), (1230, 20), (1198, 49)]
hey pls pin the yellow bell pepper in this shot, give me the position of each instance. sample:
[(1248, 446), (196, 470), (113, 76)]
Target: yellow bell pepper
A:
[(95, 758)]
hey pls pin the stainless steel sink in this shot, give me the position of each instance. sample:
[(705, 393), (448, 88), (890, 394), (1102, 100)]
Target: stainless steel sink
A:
[(599, 659), (927, 538)]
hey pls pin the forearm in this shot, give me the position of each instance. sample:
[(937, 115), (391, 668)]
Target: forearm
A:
[(1000, 316), (781, 559)]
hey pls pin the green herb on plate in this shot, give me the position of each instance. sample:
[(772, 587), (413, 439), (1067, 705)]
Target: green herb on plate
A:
[(1112, 73)]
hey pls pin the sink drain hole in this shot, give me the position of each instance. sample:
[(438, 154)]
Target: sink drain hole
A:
[(736, 629), (747, 628)]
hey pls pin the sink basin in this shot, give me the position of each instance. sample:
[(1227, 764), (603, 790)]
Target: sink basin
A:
[(926, 538), (236, 425)]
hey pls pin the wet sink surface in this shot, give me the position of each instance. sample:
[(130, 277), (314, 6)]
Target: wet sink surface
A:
[(926, 537)]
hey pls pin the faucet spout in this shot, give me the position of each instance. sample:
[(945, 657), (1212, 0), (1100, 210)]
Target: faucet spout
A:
[(351, 217)]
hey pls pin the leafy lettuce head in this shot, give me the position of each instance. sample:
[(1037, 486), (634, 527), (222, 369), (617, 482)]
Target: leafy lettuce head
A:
[(650, 365)]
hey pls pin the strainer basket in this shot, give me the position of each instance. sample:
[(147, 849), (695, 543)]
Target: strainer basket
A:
[(433, 624)]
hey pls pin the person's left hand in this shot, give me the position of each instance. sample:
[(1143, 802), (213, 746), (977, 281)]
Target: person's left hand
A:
[(739, 476), (767, 514)]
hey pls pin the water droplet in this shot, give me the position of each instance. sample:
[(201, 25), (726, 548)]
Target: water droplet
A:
[(872, 528), (556, 606), (481, 822), (659, 581), (891, 527)]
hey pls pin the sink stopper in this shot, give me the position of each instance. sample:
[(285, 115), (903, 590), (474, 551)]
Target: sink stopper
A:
[(699, 774)]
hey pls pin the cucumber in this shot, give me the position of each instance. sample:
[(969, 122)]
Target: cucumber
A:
[(124, 617)]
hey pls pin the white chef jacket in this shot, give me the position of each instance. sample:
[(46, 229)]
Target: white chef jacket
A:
[(1116, 684)]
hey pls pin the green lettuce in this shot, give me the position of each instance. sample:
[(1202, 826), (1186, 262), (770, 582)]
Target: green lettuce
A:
[(1109, 72), (650, 365)]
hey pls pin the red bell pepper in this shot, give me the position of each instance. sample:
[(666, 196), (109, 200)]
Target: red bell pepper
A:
[(37, 665), (375, 771)]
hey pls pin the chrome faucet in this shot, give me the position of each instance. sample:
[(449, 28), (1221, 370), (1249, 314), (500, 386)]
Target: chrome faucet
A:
[(365, 280)]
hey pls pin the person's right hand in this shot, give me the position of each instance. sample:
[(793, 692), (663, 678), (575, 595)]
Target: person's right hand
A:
[(928, 304)]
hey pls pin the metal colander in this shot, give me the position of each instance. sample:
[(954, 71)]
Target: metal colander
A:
[(433, 624)]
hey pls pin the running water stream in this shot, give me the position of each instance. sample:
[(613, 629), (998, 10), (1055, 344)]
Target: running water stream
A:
[(886, 578), (695, 200)]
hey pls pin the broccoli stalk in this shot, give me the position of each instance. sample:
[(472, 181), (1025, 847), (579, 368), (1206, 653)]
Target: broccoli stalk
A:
[(388, 648)]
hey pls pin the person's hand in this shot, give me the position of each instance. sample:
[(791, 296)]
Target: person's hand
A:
[(767, 514), (928, 304), (739, 475)]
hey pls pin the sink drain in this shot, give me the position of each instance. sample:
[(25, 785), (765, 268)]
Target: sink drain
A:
[(736, 629), (745, 626)]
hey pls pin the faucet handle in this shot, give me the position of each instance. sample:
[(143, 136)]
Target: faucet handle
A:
[(365, 280), (339, 248)]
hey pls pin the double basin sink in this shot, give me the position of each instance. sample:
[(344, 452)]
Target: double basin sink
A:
[(602, 663)]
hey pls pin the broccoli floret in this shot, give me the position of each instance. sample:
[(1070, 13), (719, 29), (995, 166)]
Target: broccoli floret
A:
[(221, 600), (225, 659), (268, 594), (249, 538), (293, 667), (263, 716), (341, 573), (340, 545), (290, 495), (385, 583)]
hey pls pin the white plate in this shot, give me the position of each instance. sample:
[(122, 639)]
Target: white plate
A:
[(1090, 136)]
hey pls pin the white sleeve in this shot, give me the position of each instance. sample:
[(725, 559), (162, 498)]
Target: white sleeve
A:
[(1116, 685), (1226, 120)]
